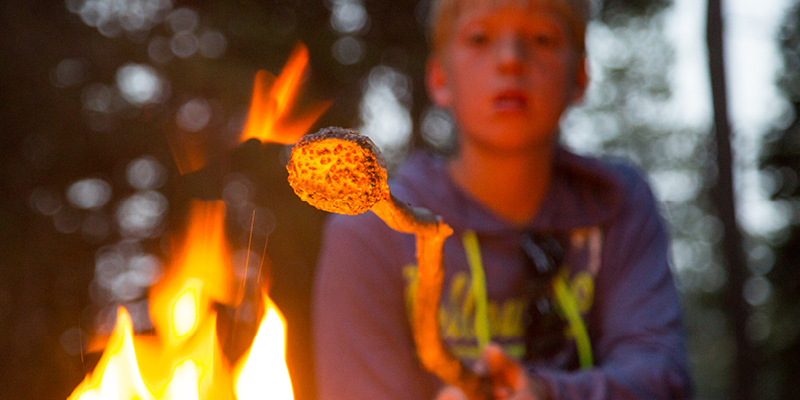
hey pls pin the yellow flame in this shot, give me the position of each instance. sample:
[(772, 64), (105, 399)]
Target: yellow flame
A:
[(117, 374), (263, 366), (201, 275), (185, 359), (183, 385), (185, 314), (273, 103), (205, 255)]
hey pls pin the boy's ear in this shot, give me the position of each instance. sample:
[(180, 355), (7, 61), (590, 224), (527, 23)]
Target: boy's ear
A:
[(436, 83), (581, 79)]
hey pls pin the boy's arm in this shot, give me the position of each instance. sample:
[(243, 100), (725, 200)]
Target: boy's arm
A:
[(635, 322), (362, 339)]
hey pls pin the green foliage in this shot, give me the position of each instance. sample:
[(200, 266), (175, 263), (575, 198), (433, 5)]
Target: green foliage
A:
[(781, 162), (626, 115), (614, 11)]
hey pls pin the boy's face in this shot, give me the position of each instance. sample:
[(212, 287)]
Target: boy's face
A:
[(507, 73)]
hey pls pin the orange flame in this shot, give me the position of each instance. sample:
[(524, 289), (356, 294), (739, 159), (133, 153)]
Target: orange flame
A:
[(274, 114), (189, 155), (273, 100), (185, 359), (200, 276), (117, 374)]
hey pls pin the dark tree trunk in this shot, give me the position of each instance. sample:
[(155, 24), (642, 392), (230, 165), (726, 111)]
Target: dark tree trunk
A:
[(744, 368)]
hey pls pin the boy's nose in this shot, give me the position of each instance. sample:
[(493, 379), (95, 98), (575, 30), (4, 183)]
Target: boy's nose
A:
[(511, 55)]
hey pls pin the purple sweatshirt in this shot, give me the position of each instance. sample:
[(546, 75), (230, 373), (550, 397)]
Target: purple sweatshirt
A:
[(617, 270)]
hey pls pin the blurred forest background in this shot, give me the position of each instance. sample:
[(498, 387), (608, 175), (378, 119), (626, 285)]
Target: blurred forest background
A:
[(95, 94)]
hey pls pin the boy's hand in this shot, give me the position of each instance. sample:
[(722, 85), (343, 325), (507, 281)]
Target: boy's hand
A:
[(508, 379)]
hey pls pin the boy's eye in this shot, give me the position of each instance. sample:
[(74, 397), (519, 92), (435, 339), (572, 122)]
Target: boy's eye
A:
[(544, 39), (477, 38)]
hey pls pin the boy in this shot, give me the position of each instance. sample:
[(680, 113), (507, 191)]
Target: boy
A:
[(559, 260)]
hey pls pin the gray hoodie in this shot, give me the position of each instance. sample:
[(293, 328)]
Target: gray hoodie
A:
[(616, 267)]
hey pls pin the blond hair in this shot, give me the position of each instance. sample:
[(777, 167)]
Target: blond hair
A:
[(443, 14)]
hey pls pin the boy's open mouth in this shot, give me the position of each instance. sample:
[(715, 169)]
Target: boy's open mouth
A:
[(510, 100)]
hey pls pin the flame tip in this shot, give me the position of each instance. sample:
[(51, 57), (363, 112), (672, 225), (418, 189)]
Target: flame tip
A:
[(273, 102)]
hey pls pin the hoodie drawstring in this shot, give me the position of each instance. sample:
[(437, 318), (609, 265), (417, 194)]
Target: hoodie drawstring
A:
[(565, 300), (473, 250)]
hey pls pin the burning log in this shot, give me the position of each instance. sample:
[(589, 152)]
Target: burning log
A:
[(338, 170)]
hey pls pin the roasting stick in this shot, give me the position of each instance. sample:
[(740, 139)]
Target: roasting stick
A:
[(338, 170)]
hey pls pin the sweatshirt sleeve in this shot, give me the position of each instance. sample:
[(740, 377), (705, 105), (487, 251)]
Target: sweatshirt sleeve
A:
[(635, 323), (362, 339)]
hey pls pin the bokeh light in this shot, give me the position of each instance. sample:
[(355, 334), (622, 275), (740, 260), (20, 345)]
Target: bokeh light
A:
[(194, 115), (45, 201), (89, 193), (145, 173), (140, 215), (73, 341), (182, 20), (348, 16), (97, 97), (67, 220), (184, 44), (438, 129), (237, 190), (757, 290), (384, 110), (348, 50), (212, 44), (123, 272), (69, 72), (139, 84), (111, 16)]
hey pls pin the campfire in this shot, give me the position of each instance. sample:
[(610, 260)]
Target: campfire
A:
[(336, 170), (184, 358)]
